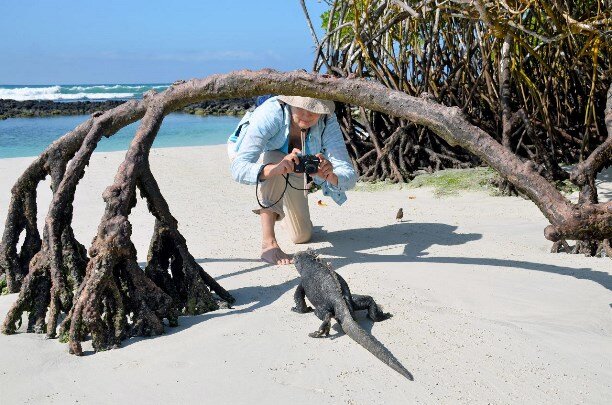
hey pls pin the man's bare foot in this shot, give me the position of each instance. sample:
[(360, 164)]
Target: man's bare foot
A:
[(272, 253)]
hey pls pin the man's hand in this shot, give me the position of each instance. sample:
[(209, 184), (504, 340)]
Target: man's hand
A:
[(285, 166), (326, 170)]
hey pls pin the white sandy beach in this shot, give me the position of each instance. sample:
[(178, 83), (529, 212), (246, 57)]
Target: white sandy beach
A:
[(483, 313)]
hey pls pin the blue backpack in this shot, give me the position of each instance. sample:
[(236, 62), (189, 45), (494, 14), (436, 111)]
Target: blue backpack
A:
[(234, 140), (260, 100)]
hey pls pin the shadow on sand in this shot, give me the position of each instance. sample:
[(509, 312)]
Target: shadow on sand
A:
[(360, 246), (363, 246)]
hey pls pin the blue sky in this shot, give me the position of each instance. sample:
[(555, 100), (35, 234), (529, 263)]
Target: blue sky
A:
[(135, 41)]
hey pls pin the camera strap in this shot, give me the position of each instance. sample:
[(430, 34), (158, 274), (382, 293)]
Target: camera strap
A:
[(303, 136), (287, 183), (257, 188)]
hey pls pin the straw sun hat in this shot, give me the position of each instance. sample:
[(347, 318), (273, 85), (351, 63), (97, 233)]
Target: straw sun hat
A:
[(311, 104)]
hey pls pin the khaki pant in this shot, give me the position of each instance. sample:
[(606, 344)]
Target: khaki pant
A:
[(297, 219)]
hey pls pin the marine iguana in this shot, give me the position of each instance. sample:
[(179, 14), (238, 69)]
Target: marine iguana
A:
[(331, 297)]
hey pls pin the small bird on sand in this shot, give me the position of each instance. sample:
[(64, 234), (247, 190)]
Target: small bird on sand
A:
[(400, 215)]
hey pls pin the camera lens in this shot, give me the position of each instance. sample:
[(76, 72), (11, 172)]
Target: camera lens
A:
[(311, 168)]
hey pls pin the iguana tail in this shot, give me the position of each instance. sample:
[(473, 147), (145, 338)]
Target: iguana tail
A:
[(372, 345)]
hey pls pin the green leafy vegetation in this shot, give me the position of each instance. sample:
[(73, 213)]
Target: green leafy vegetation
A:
[(383, 185), (566, 187), (451, 181)]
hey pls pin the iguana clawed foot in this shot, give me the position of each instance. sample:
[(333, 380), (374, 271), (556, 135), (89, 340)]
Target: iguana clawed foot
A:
[(324, 328), (384, 316), (302, 310), (322, 332)]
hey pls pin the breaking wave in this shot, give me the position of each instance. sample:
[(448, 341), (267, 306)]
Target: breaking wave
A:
[(77, 92)]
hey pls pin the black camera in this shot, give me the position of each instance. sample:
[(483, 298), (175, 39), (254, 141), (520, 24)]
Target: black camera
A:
[(309, 164)]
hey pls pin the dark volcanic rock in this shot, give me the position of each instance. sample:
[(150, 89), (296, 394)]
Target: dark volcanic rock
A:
[(46, 108), (236, 106)]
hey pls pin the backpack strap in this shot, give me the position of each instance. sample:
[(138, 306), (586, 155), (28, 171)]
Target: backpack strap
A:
[(282, 105), (325, 123)]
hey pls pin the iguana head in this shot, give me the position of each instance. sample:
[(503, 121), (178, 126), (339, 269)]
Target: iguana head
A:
[(303, 257)]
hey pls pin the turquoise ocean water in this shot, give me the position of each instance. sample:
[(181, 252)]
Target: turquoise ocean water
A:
[(30, 136)]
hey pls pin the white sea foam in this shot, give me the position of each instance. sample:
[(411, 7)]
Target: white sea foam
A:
[(113, 87), (28, 93), (87, 96), (54, 93)]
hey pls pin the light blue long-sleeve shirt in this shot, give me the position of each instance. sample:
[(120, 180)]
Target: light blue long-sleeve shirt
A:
[(267, 128)]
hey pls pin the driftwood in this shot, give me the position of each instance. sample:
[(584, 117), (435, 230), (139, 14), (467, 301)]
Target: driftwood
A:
[(110, 297)]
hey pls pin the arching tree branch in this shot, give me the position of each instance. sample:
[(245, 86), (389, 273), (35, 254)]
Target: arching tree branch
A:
[(113, 298)]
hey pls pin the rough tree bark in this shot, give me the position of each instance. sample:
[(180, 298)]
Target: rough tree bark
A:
[(110, 297)]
